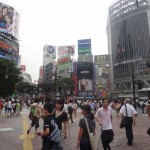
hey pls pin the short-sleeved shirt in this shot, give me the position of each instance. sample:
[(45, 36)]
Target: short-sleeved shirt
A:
[(130, 110), (82, 124), (105, 117), (48, 123), (60, 119)]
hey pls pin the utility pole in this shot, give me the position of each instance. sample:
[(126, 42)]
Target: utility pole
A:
[(133, 83)]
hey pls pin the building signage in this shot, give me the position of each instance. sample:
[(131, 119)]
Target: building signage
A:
[(101, 59), (89, 93), (84, 46), (66, 50), (4, 46), (9, 20)]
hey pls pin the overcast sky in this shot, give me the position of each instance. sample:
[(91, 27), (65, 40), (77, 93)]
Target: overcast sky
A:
[(59, 23)]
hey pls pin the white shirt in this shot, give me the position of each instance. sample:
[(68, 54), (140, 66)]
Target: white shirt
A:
[(9, 104), (130, 110), (105, 117)]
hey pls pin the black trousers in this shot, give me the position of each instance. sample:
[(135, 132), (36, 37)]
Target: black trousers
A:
[(107, 138), (128, 128)]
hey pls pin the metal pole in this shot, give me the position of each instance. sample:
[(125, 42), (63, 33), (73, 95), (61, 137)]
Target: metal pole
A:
[(133, 83)]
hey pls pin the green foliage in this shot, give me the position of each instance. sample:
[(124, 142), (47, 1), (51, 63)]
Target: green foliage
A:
[(25, 87), (9, 77)]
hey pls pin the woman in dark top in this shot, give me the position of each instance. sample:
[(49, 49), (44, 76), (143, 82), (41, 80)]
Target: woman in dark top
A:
[(83, 136), (61, 118)]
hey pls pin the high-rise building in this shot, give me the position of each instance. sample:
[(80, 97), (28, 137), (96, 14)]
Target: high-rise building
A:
[(128, 30)]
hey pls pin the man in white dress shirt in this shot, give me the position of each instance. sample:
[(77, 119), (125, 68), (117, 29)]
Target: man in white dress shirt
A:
[(104, 118), (128, 112)]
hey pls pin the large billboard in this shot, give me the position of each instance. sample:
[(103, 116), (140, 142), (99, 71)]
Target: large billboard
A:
[(102, 75), (85, 70), (63, 65), (84, 46), (101, 59), (9, 20), (85, 85), (66, 50), (49, 54)]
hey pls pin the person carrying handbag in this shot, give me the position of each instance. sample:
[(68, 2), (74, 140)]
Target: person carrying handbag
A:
[(83, 135), (128, 113)]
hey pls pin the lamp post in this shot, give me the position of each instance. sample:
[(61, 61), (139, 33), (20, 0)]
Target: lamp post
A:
[(133, 83)]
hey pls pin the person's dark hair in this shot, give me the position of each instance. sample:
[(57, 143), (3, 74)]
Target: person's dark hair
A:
[(104, 100), (47, 100), (36, 100), (49, 107), (60, 101), (3, 7), (87, 108)]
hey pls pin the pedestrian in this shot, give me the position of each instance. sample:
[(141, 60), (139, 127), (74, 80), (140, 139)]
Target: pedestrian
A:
[(1, 107), (9, 108), (49, 129), (104, 118), (61, 118), (128, 112), (83, 136), (70, 111), (34, 116)]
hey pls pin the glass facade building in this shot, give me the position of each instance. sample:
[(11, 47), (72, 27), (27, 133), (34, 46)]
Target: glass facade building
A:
[(128, 31)]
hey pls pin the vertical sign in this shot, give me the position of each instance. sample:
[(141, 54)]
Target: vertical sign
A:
[(84, 46)]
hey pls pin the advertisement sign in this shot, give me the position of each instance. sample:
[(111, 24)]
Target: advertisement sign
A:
[(84, 46), (49, 54), (85, 94), (85, 70), (85, 85), (102, 74), (9, 20), (63, 64), (50, 51), (101, 59), (66, 50), (4, 46), (15, 24), (23, 68)]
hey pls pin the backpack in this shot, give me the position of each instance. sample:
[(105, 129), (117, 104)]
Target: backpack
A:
[(32, 113), (54, 136)]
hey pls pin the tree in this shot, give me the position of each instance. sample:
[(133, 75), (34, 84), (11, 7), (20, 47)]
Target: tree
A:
[(9, 77)]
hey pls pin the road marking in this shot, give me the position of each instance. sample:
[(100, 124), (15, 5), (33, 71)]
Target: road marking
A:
[(27, 142), (6, 129)]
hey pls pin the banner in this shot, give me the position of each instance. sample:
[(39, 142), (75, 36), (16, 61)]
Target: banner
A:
[(9, 20), (66, 50), (84, 46), (64, 64)]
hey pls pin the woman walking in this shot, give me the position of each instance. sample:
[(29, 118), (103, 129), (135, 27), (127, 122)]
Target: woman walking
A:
[(61, 118), (83, 136)]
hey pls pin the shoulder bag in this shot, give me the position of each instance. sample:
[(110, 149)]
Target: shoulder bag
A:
[(91, 137), (124, 120), (148, 131)]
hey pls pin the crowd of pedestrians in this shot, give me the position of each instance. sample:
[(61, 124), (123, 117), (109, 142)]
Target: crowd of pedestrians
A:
[(62, 112), (11, 107)]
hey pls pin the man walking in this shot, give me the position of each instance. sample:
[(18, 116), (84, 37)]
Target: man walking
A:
[(128, 112), (104, 118)]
